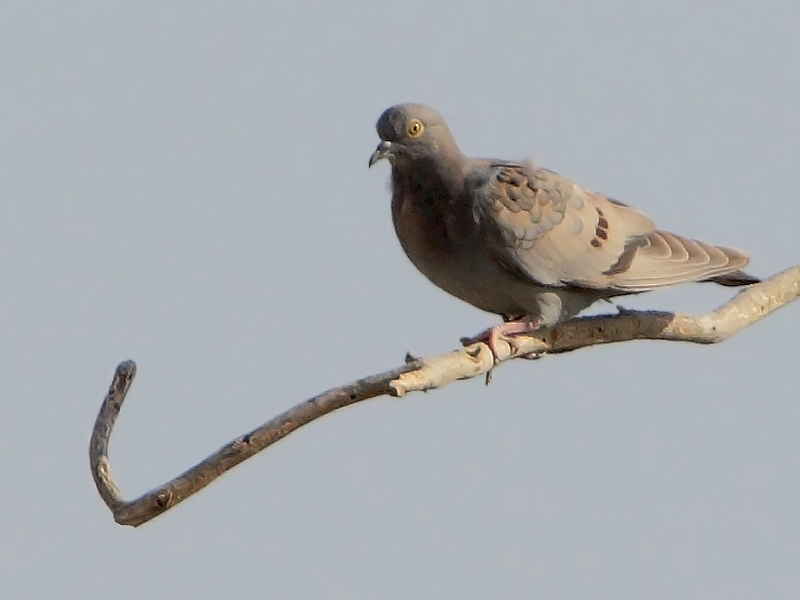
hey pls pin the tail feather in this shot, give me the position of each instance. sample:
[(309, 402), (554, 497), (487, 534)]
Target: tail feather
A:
[(734, 279)]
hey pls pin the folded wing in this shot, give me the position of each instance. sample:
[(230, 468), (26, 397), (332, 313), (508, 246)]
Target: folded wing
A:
[(552, 231)]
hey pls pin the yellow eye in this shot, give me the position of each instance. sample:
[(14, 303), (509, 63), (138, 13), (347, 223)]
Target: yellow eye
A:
[(414, 128)]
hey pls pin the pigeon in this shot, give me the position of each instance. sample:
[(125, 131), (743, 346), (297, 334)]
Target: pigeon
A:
[(524, 242)]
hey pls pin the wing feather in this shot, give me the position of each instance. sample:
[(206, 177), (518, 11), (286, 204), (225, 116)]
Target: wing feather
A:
[(555, 232)]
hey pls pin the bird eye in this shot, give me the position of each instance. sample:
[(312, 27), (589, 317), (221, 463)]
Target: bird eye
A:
[(414, 128)]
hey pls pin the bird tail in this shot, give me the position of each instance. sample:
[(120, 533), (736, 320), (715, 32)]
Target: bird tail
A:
[(734, 279)]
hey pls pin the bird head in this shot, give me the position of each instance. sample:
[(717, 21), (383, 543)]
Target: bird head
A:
[(411, 132)]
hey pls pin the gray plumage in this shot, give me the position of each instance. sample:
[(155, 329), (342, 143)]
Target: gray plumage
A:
[(521, 241)]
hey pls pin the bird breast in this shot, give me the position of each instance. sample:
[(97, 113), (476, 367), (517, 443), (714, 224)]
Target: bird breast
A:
[(441, 240)]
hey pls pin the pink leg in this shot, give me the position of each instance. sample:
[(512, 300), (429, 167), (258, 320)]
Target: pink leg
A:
[(504, 332)]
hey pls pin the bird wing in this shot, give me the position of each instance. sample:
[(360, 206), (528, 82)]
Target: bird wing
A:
[(555, 232)]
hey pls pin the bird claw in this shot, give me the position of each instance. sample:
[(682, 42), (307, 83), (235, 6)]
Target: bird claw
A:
[(491, 337), (505, 332)]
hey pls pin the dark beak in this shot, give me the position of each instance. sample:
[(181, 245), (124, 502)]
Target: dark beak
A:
[(384, 150)]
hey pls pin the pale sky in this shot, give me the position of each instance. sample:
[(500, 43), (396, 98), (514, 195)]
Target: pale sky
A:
[(185, 184)]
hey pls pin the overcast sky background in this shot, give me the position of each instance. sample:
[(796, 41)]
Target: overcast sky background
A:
[(186, 184)]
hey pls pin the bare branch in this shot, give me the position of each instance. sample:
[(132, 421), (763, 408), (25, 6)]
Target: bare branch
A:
[(750, 305)]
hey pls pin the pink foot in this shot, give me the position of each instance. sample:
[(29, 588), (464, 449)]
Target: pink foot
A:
[(504, 332)]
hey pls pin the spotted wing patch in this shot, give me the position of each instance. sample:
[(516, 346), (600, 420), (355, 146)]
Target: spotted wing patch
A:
[(600, 230)]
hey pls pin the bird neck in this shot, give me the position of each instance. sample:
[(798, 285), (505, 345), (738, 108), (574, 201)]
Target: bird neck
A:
[(444, 175)]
